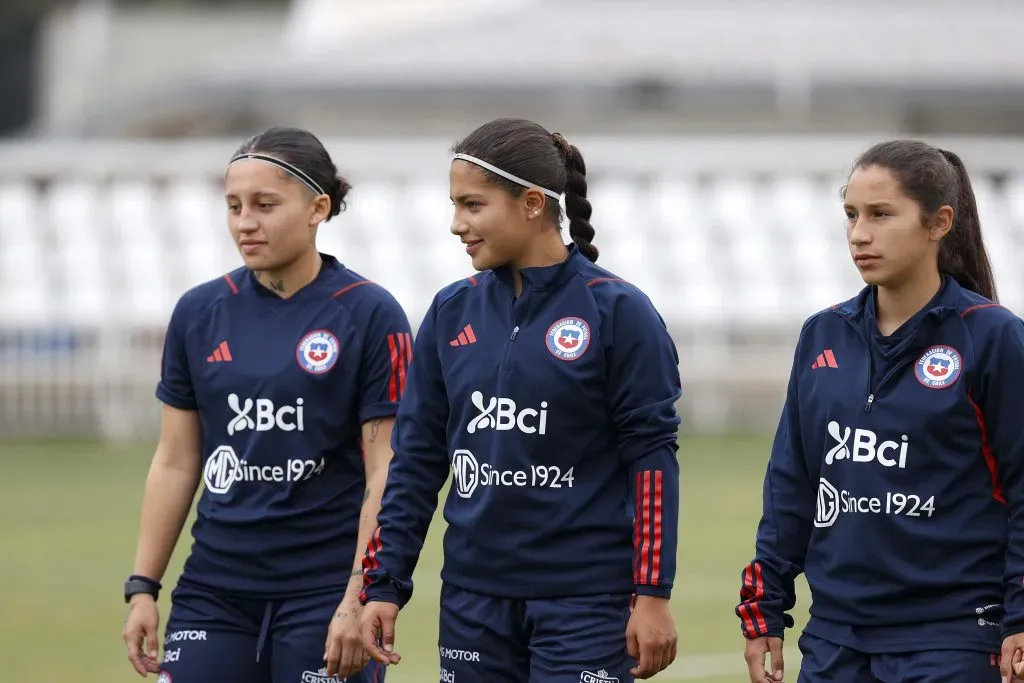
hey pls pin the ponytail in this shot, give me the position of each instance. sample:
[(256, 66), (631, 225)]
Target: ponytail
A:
[(577, 206), (962, 253)]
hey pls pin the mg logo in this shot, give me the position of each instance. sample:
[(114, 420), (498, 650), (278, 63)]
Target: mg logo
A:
[(465, 472), (501, 414), (827, 511), (221, 469), (285, 418), (865, 447)]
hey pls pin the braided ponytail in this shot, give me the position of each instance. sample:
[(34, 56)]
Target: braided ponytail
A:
[(577, 207)]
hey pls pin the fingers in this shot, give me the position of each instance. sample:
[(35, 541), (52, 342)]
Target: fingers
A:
[(370, 636), (1006, 661), (373, 628), (632, 644), (1017, 664), (655, 655), (776, 659), (387, 638), (133, 642), (332, 653), (754, 654), (354, 657), (644, 665)]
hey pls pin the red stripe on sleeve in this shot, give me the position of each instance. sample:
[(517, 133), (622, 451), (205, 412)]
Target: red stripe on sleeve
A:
[(645, 526), (755, 608), (748, 623), (403, 352), (637, 533), (656, 546), (393, 383), (986, 451)]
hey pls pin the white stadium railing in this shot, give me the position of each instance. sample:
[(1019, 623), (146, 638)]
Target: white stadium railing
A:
[(736, 241)]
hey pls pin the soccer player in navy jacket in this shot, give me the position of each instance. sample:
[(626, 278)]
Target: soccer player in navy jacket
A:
[(896, 480), (279, 381), (547, 386)]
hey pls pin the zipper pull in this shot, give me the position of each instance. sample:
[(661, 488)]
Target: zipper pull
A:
[(867, 406), (515, 332)]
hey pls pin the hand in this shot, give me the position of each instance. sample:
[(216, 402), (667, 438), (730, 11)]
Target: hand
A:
[(651, 636), (1011, 665), (378, 628), (754, 653), (142, 634), (344, 651)]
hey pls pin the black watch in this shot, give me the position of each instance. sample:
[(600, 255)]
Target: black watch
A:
[(141, 584)]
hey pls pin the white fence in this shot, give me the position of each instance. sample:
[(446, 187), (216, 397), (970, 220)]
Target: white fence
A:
[(735, 240)]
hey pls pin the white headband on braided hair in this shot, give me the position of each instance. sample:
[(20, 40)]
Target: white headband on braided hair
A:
[(283, 165), (505, 174)]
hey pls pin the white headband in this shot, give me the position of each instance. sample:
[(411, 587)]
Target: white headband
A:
[(505, 174), (283, 165)]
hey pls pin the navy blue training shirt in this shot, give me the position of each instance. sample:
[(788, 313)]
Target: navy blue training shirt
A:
[(555, 412), (896, 481), (282, 388)]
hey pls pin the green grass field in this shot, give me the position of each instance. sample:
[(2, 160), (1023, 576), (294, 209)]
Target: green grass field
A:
[(68, 515)]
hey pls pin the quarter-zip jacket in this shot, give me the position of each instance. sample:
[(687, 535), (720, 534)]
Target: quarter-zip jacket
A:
[(555, 413), (895, 481)]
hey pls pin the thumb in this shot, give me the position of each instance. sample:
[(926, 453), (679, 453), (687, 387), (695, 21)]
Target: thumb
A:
[(778, 665)]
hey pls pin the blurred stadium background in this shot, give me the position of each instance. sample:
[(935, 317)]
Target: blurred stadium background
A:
[(717, 136)]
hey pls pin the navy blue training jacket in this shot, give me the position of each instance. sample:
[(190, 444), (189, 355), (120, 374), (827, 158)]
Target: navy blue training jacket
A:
[(555, 412), (282, 388), (895, 481)]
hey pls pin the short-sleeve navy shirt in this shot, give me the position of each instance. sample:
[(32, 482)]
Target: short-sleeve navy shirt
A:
[(282, 388)]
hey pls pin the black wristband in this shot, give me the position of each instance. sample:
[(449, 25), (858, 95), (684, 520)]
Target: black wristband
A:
[(141, 584)]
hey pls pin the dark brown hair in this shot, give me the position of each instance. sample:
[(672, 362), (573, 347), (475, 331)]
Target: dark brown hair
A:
[(302, 149), (527, 150), (934, 178)]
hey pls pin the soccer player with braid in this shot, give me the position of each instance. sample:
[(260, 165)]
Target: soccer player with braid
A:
[(547, 385)]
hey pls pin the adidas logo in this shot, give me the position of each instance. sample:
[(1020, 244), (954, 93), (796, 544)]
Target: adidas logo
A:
[(221, 354), (465, 337), (826, 359)]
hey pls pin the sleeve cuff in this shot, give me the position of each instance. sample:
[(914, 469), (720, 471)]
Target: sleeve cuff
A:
[(377, 411), (174, 400), (378, 593), (654, 591)]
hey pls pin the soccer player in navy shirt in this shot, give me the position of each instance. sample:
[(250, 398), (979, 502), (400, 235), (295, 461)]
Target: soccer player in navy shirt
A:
[(896, 480), (547, 385), (280, 381)]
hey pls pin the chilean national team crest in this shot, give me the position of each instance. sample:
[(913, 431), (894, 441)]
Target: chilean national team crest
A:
[(317, 352), (939, 367), (568, 338)]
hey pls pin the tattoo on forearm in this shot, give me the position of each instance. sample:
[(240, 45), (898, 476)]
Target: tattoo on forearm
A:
[(357, 572), (374, 430), (366, 495)]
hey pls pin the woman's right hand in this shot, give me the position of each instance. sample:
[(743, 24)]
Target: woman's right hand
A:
[(754, 653), (378, 628), (142, 634)]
